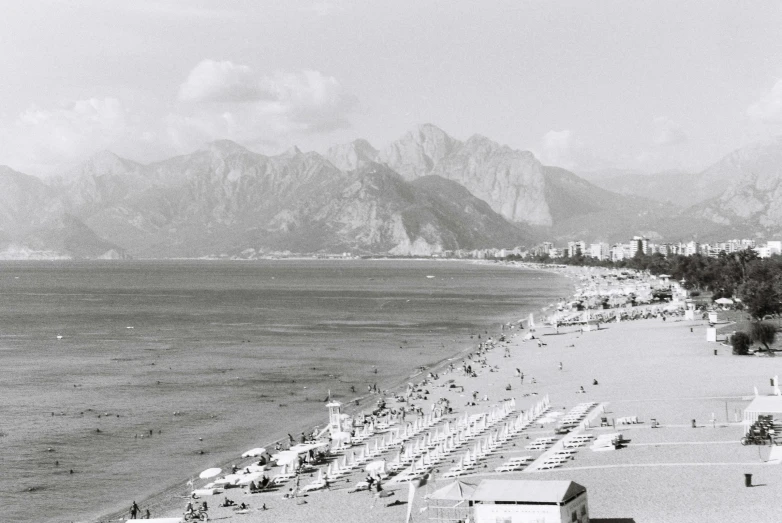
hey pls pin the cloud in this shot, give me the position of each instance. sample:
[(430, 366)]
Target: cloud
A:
[(558, 148), (216, 100), (668, 132), (305, 101), (769, 108), (212, 81), (39, 137)]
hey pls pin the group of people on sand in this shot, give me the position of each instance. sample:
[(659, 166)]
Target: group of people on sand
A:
[(135, 512)]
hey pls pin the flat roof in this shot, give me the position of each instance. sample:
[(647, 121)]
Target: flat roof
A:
[(529, 491), (765, 404)]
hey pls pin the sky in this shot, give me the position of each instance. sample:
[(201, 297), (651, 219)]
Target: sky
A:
[(584, 84)]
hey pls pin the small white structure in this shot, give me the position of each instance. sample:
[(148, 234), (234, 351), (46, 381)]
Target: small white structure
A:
[(335, 417), (711, 334), (762, 405), (523, 501)]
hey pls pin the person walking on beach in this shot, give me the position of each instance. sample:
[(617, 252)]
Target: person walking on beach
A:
[(133, 510)]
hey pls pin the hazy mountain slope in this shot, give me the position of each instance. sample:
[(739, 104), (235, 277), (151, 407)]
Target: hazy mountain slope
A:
[(670, 187), (754, 192), (583, 211), (510, 181), (225, 199), (33, 223)]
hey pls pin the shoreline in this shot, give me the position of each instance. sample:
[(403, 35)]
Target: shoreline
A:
[(164, 499)]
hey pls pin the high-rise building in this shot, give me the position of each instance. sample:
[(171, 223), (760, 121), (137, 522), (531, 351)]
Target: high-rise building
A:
[(601, 251)]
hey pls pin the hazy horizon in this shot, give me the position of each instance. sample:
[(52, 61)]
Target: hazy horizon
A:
[(586, 86)]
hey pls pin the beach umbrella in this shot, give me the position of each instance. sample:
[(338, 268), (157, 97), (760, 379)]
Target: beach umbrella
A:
[(210, 473), (724, 301), (376, 467), (286, 457), (254, 452)]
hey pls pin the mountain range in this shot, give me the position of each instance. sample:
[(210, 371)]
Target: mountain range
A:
[(423, 194)]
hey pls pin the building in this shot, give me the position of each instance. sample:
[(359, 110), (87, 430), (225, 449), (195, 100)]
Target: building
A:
[(691, 248), (601, 251), (774, 247), (527, 501), (575, 248)]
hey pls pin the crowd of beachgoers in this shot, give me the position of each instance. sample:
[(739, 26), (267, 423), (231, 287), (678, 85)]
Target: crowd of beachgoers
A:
[(450, 421)]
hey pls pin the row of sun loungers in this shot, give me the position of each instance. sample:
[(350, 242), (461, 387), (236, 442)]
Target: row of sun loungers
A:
[(492, 442)]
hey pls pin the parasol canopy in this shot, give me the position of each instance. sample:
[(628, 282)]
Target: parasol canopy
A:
[(254, 452), (210, 473)]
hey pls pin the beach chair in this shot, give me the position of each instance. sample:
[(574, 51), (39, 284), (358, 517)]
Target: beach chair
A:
[(510, 467), (546, 465), (604, 422), (318, 484)]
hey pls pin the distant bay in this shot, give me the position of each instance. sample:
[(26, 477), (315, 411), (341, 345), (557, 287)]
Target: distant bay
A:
[(164, 368)]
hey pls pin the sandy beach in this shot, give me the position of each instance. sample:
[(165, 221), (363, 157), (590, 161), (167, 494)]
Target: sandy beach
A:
[(651, 369)]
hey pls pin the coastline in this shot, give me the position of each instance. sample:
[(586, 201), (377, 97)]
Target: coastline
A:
[(679, 473), (174, 494)]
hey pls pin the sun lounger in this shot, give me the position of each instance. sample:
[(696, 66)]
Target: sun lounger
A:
[(453, 473), (521, 459), (549, 465), (207, 491), (510, 467)]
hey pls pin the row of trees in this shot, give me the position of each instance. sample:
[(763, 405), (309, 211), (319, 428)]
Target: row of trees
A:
[(756, 281)]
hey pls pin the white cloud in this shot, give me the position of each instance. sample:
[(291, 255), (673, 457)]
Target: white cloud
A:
[(668, 132), (768, 108), (40, 138), (304, 101), (217, 100), (558, 148), (212, 81)]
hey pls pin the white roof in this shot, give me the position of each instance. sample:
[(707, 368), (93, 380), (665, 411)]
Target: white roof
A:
[(531, 491), (765, 404)]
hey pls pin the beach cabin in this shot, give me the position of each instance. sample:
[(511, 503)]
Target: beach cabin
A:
[(769, 405), (529, 501), (335, 416)]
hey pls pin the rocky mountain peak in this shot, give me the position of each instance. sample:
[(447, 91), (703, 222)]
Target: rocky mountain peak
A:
[(225, 148), (352, 156), (418, 151)]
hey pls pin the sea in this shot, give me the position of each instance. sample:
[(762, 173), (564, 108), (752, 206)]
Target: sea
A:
[(119, 380)]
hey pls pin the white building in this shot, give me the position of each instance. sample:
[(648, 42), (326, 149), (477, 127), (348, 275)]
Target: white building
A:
[(523, 501), (774, 247), (601, 251)]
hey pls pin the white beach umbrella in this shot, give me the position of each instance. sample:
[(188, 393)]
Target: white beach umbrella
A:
[(210, 473), (376, 467), (287, 457), (254, 452)]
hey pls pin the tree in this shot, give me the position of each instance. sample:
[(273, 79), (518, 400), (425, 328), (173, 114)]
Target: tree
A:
[(762, 332), (761, 291), (740, 342)]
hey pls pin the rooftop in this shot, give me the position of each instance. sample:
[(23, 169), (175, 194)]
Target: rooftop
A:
[(526, 491)]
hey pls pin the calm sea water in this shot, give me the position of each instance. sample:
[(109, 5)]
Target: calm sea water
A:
[(167, 368)]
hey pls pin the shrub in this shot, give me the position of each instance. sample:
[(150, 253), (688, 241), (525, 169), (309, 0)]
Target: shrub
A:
[(762, 332), (740, 342)]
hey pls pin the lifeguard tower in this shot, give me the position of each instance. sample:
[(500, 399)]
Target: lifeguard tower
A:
[(335, 417)]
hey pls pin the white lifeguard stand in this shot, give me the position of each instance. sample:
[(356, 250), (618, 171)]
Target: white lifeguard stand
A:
[(335, 416), (689, 312)]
